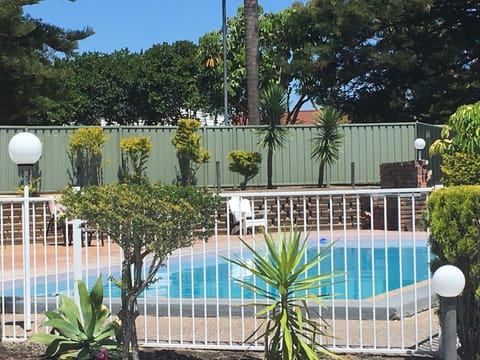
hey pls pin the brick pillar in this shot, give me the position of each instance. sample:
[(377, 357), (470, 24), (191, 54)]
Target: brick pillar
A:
[(404, 174)]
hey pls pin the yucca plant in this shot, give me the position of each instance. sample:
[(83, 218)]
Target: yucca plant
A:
[(326, 145), (273, 104), (80, 332), (290, 331)]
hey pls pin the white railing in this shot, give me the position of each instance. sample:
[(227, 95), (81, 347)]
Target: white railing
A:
[(383, 302)]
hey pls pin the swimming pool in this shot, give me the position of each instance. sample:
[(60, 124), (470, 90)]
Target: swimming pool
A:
[(366, 272)]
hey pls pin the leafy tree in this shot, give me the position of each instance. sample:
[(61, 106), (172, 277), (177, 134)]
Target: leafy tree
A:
[(150, 88), (461, 134), (387, 61), (190, 153), (326, 145), (246, 163), (275, 54), (145, 220), (169, 85), (273, 104), (27, 77)]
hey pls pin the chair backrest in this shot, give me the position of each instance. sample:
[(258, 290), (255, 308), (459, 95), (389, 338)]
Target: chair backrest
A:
[(55, 208), (239, 206)]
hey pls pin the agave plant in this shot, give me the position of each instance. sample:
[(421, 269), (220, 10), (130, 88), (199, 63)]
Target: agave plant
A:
[(80, 332), (291, 331)]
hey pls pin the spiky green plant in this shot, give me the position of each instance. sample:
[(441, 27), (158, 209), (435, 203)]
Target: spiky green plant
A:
[(273, 104), (291, 331), (80, 332), (326, 145)]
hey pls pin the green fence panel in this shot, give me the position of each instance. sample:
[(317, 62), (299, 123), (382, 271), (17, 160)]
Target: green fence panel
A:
[(365, 146)]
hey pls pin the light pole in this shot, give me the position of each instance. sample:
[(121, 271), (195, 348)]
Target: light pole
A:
[(25, 150), (448, 282), (224, 41), (419, 146)]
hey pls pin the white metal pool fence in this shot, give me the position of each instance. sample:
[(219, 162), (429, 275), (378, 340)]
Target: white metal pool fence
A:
[(381, 303)]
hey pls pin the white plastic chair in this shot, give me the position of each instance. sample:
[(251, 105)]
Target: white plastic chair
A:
[(243, 215)]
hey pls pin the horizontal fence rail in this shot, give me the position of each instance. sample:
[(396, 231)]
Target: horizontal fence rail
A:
[(382, 301)]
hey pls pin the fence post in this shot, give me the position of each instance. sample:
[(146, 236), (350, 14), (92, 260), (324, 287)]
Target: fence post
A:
[(77, 258)]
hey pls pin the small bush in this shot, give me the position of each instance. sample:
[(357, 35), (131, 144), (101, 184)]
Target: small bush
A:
[(453, 215), (246, 163), (135, 154), (190, 153)]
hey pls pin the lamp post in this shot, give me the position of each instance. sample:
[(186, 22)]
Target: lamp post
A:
[(224, 43), (25, 150), (419, 146), (448, 282)]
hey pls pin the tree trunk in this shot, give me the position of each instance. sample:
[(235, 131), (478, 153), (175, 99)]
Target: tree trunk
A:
[(252, 59), (127, 315), (321, 172), (269, 168)]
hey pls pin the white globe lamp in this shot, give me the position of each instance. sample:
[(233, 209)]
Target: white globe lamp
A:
[(448, 281), (419, 144), (25, 149)]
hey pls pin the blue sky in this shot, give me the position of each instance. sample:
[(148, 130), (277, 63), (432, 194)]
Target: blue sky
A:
[(139, 24)]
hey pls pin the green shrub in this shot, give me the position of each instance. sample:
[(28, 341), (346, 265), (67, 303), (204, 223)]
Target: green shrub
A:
[(290, 332), (453, 215), (86, 146), (190, 153), (461, 169), (135, 154), (246, 163), (80, 333)]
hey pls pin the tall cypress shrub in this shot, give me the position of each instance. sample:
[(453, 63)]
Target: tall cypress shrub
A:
[(453, 215)]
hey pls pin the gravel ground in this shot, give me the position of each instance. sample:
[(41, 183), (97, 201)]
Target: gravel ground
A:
[(33, 351)]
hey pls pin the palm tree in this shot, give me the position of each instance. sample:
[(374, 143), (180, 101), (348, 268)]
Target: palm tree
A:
[(273, 104), (252, 55), (326, 144)]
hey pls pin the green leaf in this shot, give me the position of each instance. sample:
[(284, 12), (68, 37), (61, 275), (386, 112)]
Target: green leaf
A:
[(69, 309), (65, 328), (45, 338), (86, 307)]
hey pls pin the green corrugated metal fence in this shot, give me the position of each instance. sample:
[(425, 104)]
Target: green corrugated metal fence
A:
[(365, 145)]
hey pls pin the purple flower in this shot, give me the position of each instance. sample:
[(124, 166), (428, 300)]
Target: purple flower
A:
[(103, 354)]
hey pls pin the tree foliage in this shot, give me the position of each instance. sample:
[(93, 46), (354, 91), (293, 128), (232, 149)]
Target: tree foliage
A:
[(388, 61), (246, 163), (27, 78), (135, 154), (453, 214), (86, 145), (190, 153), (145, 220), (273, 104), (326, 145), (461, 134)]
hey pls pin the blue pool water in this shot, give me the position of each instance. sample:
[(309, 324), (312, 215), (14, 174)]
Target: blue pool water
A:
[(365, 272)]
